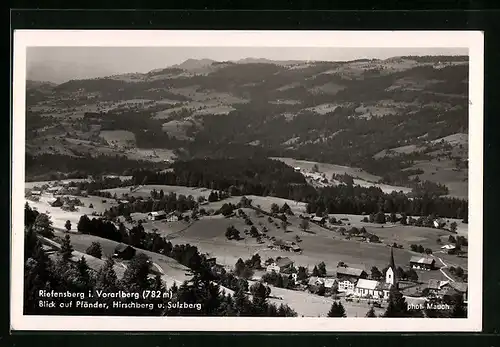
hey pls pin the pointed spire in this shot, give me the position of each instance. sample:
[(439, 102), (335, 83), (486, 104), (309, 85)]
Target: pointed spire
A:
[(392, 264)]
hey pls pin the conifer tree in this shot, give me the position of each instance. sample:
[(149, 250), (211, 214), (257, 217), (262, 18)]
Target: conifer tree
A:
[(337, 310), (66, 248)]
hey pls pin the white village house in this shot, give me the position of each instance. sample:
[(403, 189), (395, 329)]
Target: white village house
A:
[(280, 265), (157, 215)]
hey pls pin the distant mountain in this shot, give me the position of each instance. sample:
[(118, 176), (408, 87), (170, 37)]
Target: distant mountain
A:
[(193, 64), (385, 116), (61, 72)]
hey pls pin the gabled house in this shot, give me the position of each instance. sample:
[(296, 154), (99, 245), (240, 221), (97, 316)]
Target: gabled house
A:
[(452, 288), (422, 263), (124, 251), (347, 285), (156, 215), (437, 287), (280, 265), (55, 202), (372, 289)]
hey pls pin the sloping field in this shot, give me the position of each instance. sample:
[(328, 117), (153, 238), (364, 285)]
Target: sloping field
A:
[(398, 150), (329, 169), (170, 267), (361, 177), (120, 138), (59, 216), (455, 139), (444, 172)]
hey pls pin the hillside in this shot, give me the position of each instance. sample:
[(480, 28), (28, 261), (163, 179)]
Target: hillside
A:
[(396, 119)]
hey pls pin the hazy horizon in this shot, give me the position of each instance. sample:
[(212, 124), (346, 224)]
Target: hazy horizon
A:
[(60, 64)]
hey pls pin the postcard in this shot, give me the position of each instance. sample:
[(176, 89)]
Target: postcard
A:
[(291, 181)]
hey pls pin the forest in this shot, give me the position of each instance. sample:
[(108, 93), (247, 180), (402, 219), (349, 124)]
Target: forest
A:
[(272, 178)]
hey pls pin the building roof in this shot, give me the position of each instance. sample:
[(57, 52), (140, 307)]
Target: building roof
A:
[(122, 247), (283, 262), (317, 219), (36, 192), (157, 213), (367, 284), (459, 286), (448, 247), (349, 271), (383, 286), (422, 260), (329, 282), (351, 280), (313, 280), (435, 284)]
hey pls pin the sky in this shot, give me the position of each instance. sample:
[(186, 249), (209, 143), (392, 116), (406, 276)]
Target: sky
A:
[(59, 64)]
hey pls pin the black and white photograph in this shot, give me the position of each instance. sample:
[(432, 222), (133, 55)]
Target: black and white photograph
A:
[(247, 181)]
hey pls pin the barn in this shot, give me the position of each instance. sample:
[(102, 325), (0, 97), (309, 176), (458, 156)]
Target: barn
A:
[(124, 251), (422, 263)]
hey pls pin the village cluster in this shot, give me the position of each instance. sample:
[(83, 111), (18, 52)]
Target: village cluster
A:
[(356, 283)]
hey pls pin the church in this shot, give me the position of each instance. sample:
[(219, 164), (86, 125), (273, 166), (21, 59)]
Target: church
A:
[(371, 289)]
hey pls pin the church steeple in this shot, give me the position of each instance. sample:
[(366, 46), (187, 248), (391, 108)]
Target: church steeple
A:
[(392, 264), (390, 275)]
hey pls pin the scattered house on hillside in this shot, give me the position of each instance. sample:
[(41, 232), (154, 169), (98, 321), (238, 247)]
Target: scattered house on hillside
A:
[(346, 285), (318, 220), (157, 215), (174, 217), (422, 263), (84, 193), (350, 273), (203, 203), (280, 265), (124, 202), (372, 289), (439, 223), (457, 288), (296, 169), (36, 192), (296, 248), (124, 251), (437, 287), (448, 247), (55, 202)]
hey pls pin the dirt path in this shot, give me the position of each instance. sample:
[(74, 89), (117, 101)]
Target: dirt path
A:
[(444, 267)]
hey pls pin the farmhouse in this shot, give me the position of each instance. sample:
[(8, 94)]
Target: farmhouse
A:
[(350, 273), (439, 223), (156, 215), (36, 192), (346, 285), (452, 288), (55, 202), (296, 169), (448, 247), (422, 263), (124, 251), (437, 287), (174, 217), (280, 265)]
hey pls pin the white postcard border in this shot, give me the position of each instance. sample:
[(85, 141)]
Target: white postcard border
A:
[(473, 40)]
